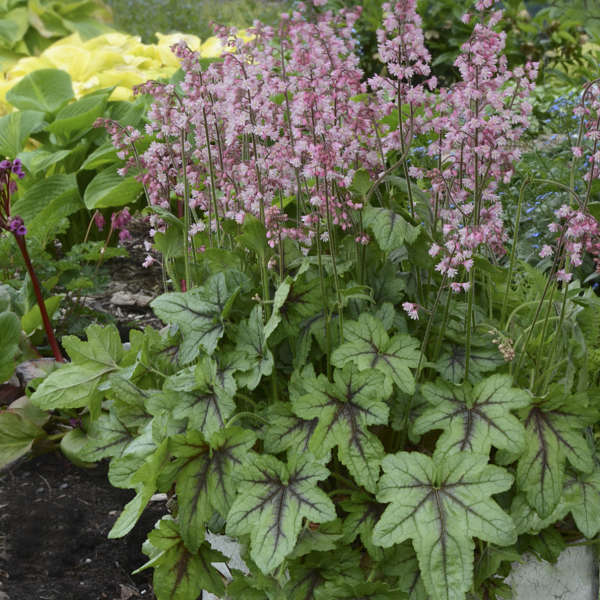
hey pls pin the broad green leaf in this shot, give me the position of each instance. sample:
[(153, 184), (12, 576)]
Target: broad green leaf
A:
[(10, 326), (71, 445), (178, 573), (285, 430), (318, 538), (368, 346), (345, 408), (45, 90), (76, 118), (279, 299), (198, 315), (203, 474), (307, 577), (363, 513), (46, 203), (15, 129), (254, 236), (361, 182), (103, 346), (390, 229), (106, 436), (527, 520), (204, 398), (343, 590), (32, 319), (144, 481), (71, 386), (17, 435), (128, 401), (13, 26), (252, 345), (401, 563), (451, 363), (474, 419), (40, 160), (108, 188), (441, 504), (101, 157), (272, 501), (582, 495), (551, 436)]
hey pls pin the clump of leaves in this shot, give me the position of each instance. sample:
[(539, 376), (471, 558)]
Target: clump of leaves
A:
[(376, 408)]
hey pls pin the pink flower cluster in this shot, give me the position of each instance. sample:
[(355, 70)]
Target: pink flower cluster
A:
[(477, 124), (276, 119), (279, 128), (579, 232), (589, 111)]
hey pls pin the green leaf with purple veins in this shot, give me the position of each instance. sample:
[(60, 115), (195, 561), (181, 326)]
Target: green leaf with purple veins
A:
[(345, 408), (367, 344), (474, 419), (273, 500), (441, 504)]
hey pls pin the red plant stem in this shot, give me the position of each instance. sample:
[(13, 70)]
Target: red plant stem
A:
[(40, 300)]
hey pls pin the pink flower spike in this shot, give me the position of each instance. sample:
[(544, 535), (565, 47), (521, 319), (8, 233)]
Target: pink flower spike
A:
[(546, 251), (411, 309)]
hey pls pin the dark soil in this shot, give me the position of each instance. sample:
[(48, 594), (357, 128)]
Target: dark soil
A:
[(54, 521)]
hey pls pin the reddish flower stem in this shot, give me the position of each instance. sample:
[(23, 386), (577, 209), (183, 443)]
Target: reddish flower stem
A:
[(40, 300)]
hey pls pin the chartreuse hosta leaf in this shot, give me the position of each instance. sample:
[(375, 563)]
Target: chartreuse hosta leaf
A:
[(474, 419), (178, 573), (75, 385), (198, 313), (553, 433), (204, 395), (441, 503), (345, 408), (202, 472), (369, 347), (273, 499)]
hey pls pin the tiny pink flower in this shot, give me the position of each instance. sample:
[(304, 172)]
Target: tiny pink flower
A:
[(411, 309), (546, 251)]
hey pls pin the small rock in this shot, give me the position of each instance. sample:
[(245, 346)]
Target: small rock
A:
[(31, 369), (123, 298)]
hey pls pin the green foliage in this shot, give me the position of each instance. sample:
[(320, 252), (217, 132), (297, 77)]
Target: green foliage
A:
[(350, 450), (27, 27)]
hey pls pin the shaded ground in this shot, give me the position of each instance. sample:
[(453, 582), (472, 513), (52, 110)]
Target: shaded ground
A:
[(54, 519)]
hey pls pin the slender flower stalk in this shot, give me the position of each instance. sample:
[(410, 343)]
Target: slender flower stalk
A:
[(14, 224)]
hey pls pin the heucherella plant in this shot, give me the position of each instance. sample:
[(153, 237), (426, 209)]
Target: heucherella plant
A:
[(359, 379)]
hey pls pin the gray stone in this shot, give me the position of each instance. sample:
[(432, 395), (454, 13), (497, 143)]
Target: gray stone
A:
[(573, 577)]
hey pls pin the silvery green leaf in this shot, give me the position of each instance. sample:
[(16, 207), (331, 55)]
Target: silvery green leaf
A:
[(273, 500), (474, 419), (441, 504)]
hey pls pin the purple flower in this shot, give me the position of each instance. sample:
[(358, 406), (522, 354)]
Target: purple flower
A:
[(16, 225)]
